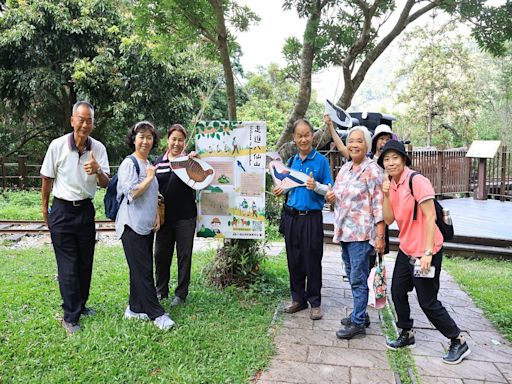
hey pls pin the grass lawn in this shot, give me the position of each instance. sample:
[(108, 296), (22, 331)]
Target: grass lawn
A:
[(222, 336), (489, 283)]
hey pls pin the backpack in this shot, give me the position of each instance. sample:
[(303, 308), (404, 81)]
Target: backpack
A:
[(110, 200), (446, 229)]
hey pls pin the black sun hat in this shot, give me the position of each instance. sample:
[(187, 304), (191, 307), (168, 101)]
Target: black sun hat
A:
[(397, 146)]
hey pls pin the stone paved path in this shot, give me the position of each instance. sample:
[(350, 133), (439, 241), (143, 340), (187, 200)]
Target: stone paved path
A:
[(309, 352)]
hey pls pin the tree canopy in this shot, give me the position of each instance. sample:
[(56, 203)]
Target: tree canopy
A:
[(53, 53)]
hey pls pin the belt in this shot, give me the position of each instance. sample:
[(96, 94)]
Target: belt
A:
[(296, 212), (77, 203)]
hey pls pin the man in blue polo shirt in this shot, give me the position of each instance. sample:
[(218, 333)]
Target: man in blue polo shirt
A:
[(301, 223)]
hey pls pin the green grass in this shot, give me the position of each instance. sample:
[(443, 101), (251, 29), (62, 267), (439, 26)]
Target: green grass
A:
[(402, 358), (26, 205), (489, 283), (221, 335)]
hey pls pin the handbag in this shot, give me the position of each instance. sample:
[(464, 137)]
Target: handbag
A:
[(161, 209), (377, 285)]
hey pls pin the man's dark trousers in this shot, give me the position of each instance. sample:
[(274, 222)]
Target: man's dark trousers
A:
[(304, 239), (73, 236)]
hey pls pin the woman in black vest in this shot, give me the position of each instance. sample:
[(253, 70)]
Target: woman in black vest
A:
[(180, 220)]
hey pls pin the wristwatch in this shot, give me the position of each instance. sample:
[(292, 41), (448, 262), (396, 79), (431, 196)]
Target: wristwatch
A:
[(428, 253)]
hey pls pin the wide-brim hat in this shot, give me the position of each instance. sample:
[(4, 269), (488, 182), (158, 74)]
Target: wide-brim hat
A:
[(397, 146), (381, 130)]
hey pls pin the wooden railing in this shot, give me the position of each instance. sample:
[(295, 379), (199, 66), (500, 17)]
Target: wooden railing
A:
[(451, 173)]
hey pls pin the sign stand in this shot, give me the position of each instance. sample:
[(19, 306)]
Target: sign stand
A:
[(482, 150)]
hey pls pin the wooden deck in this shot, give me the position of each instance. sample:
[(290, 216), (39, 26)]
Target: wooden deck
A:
[(482, 227)]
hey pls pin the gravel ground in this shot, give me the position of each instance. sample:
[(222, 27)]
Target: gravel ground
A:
[(36, 241)]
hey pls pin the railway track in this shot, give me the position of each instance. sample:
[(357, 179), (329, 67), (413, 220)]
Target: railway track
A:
[(32, 227)]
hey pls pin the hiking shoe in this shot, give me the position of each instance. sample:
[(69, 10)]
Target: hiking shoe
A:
[(295, 307), (348, 320), (405, 339), (177, 301), (71, 328), (129, 314), (316, 313), (457, 351), (87, 312), (164, 322), (351, 331)]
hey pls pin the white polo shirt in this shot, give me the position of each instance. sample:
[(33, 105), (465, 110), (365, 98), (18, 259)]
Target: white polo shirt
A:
[(65, 166)]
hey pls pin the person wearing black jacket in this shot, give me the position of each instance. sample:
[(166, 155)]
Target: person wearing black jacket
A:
[(180, 220)]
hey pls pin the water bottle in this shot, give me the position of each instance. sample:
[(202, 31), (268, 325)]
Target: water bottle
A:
[(446, 217)]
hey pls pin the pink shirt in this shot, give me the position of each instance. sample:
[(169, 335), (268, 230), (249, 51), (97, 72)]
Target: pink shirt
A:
[(412, 232), (358, 202)]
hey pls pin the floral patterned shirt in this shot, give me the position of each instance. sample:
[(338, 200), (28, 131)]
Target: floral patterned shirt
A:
[(359, 200)]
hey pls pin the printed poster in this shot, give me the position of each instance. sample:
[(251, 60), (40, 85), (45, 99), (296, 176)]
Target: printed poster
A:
[(233, 205)]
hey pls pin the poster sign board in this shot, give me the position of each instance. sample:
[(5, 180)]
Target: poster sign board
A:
[(483, 149), (233, 205)]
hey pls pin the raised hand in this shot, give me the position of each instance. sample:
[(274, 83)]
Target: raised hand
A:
[(91, 167), (330, 196), (386, 184), (311, 184), (278, 191), (150, 171)]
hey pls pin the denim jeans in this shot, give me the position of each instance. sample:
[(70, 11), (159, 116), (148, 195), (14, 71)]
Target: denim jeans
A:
[(356, 257)]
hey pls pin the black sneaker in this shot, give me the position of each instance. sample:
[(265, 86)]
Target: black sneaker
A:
[(350, 331), (71, 328), (457, 352), (348, 320), (405, 339)]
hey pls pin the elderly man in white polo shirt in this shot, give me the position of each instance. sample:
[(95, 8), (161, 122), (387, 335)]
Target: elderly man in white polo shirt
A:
[(73, 167)]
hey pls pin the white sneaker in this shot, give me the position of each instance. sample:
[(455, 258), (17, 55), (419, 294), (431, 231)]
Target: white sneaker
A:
[(164, 322), (129, 314)]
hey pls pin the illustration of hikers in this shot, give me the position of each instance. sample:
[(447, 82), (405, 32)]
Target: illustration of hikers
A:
[(235, 146)]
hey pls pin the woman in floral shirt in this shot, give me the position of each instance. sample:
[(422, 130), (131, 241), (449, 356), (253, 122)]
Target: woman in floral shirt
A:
[(358, 224)]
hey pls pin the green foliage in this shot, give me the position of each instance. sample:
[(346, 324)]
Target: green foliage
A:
[(439, 72), (237, 263), (400, 359), (221, 335), (26, 205), (271, 96), (489, 283), (53, 53)]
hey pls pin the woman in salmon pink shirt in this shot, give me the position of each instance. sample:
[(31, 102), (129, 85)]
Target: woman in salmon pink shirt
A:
[(420, 239)]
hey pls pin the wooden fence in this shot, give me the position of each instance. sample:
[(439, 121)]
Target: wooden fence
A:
[(451, 173)]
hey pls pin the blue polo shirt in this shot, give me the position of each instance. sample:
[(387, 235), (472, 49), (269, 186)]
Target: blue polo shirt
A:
[(304, 199)]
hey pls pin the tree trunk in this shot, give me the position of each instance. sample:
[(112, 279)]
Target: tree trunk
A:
[(222, 45), (352, 84), (306, 70)]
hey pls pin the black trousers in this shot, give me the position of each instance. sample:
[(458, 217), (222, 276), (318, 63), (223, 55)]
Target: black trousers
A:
[(304, 239), (426, 289), (178, 233), (73, 238), (138, 250)]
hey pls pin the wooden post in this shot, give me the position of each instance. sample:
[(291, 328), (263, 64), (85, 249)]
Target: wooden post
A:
[(481, 191), (440, 172), (4, 172), (22, 170), (503, 173)]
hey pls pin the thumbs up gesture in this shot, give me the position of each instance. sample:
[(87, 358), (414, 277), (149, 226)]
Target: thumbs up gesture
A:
[(311, 184), (91, 167), (330, 196), (386, 184)]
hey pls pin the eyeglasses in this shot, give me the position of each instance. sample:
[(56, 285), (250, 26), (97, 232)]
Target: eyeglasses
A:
[(80, 120)]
